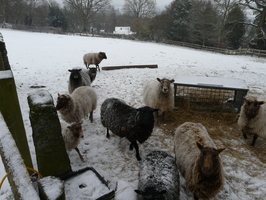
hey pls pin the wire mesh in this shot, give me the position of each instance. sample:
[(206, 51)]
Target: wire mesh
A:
[(204, 99)]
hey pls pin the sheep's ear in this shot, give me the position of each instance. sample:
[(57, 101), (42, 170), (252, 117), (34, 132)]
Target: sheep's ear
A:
[(140, 192), (200, 146), (261, 102), (155, 110), (220, 150), (158, 79), (70, 70), (172, 81), (58, 94)]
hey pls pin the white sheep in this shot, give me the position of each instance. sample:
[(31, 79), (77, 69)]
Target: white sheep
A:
[(159, 94), (94, 58), (77, 105), (197, 159), (252, 119), (78, 77), (72, 135)]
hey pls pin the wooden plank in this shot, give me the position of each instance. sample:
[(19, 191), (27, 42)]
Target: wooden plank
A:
[(129, 67)]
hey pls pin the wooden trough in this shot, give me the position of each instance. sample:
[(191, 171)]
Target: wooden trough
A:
[(129, 67)]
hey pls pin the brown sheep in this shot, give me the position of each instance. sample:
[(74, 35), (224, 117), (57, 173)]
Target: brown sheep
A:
[(94, 58), (72, 135), (198, 160)]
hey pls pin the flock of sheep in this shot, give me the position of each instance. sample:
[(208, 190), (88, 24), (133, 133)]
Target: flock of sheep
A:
[(196, 155)]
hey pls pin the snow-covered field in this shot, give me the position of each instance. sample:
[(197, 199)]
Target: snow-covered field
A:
[(44, 59)]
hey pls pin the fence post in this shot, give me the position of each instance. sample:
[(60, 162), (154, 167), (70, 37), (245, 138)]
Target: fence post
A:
[(10, 108), (18, 176), (51, 155)]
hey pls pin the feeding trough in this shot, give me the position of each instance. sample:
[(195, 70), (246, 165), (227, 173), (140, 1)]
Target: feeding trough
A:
[(87, 184), (129, 67), (209, 93)]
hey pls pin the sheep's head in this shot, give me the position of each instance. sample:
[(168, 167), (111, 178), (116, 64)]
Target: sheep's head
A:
[(151, 193), (145, 114), (252, 106), (208, 160), (62, 101), (75, 73), (76, 129), (165, 84), (102, 55)]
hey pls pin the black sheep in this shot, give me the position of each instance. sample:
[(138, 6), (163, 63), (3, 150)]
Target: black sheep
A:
[(126, 121), (158, 177), (78, 77)]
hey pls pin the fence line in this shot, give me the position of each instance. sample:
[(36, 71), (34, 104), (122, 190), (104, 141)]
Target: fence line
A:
[(246, 51)]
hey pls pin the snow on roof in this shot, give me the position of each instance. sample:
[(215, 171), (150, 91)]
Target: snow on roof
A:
[(217, 82), (15, 163)]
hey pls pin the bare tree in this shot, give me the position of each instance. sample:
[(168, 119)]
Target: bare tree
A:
[(86, 9), (259, 8), (140, 8)]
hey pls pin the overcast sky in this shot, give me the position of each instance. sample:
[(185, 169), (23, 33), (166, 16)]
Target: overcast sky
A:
[(119, 3)]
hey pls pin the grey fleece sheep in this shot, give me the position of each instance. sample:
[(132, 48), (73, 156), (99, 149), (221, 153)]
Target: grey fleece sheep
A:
[(159, 94), (72, 135), (158, 177), (252, 119), (94, 58), (76, 106), (126, 121), (198, 160), (78, 77)]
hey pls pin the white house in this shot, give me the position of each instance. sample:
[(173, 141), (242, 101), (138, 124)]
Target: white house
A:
[(123, 30)]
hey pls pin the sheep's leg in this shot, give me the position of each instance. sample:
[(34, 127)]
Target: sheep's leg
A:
[(91, 116), (254, 140), (135, 145), (244, 132), (79, 154), (195, 197), (131, 147), (97, 67), (163, 116), (107, 134)]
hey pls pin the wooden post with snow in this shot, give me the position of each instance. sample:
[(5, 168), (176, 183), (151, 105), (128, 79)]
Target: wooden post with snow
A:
[(18, 176), (52, 158), (10, 108)]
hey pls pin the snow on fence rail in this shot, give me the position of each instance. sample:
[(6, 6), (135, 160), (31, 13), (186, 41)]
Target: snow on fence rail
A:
[(246, 52)]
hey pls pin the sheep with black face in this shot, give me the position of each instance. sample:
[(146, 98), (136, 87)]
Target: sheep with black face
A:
[(126, 121), (78, 77), (94, 58)]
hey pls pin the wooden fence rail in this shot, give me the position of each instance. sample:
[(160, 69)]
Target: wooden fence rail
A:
[(246, 51)]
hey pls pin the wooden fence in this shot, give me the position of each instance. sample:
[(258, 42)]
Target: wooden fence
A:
[(246, 52)]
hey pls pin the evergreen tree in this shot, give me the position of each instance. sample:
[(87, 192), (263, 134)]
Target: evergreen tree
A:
[(56, 17), (234, 28), (178, 20)]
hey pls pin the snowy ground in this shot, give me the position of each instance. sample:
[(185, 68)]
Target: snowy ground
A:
[(44, 59)]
